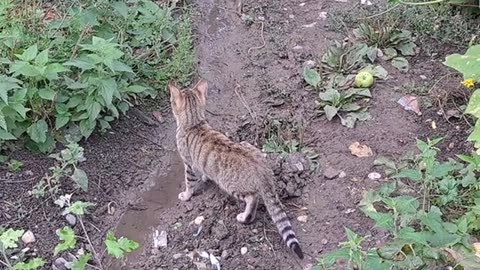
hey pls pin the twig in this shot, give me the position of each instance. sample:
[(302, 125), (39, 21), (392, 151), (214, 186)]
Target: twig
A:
[(244, 102), (142, 136), (268, 241), (17, 181), (219, 114), (99, 261), (229, 10), (263, 40), (381, 13)]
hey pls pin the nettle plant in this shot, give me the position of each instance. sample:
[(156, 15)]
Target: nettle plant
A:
[(116, 248), (430, 209), (469, 65), (9, 239), (41, 96), (66, 166)]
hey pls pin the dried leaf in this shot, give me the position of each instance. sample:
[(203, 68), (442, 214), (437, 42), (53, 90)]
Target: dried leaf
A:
[(410, 103), (360, 150)]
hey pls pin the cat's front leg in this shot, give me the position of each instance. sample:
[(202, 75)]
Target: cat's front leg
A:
[(191, 181)]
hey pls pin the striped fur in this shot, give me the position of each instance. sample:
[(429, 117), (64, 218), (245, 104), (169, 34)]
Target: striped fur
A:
[(240, 169)]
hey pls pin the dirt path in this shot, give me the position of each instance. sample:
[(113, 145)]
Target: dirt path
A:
[(269, 78)]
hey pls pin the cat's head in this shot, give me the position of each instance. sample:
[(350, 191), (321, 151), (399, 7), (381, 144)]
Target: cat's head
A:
[(188, 106)]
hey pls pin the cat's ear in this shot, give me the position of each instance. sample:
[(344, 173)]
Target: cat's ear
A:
[(175, 94), (201, 89)]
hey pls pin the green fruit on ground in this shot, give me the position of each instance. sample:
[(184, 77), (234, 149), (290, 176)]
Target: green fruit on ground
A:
[(364, 79)]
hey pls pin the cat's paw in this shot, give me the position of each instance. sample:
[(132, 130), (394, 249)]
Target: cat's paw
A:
[(244, 218), (185, 196)]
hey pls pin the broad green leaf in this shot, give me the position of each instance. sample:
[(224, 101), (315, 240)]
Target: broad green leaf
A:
[(81, 179), (67, 240), (433, 220), (117, 248), (83, 62), (406, 48), (20, 109), (330, 112), (61, 121), (29, 54), (107, 90), (467, 64), (3, 123), (391, 250), (87, 127), (121, 67), (401, 64), (473, 107), (52, 70), (406, 204), (6, 86), (47, 93), (122, 106), (329, 95), (38, 131), (444, 239), (42, 58), (135, 89), (24, 69), (81, 262), (374, 262), (10, 237), (411, 174), (121, 8), (390, 53), (30, 265), (409, 235), (6, 136), (382, 220), (311, 76), (78, 208), (93, 110), (330, 258)]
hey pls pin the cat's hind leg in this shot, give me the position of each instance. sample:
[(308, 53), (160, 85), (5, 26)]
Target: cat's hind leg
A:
[(191, 181), (248, 215)]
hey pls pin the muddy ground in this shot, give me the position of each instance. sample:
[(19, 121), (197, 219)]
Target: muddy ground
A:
[(136, 170)]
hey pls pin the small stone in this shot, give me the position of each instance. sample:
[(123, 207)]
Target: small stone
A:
[(324, 241), (308, 267), (71, 219), (243, 250), (374, 176), (291, 16), (225, 254), (160, 239), (342, 174), (302, 218), (451, 145), (423, 77), (177, 256), (301, 4), (297, 48), (453, 113), (330, 173), (349, 211), (300, 167), (201, 265), (255, 231), (199, 220), (322, 15), (28, 237)]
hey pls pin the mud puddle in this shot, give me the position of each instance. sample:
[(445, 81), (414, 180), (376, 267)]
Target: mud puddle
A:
[(141, 220)]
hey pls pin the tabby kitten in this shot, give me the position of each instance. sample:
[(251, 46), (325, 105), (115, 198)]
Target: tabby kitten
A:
[(240, 169)]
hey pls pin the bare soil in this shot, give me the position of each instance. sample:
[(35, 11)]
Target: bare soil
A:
[(135, 168)]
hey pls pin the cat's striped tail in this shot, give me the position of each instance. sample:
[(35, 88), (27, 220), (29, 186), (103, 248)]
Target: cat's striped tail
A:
[(282, 222)]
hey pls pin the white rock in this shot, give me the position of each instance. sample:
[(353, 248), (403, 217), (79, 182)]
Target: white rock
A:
[(177, 256), (71, 219), (28, 237), (160, 239), (374, 176), (199, 220), (342, 174), (302, 218), (324, 241), (322, 15), (225, 255), (243, 250)]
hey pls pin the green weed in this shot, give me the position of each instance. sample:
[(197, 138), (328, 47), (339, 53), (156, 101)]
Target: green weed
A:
[(429, 207)]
